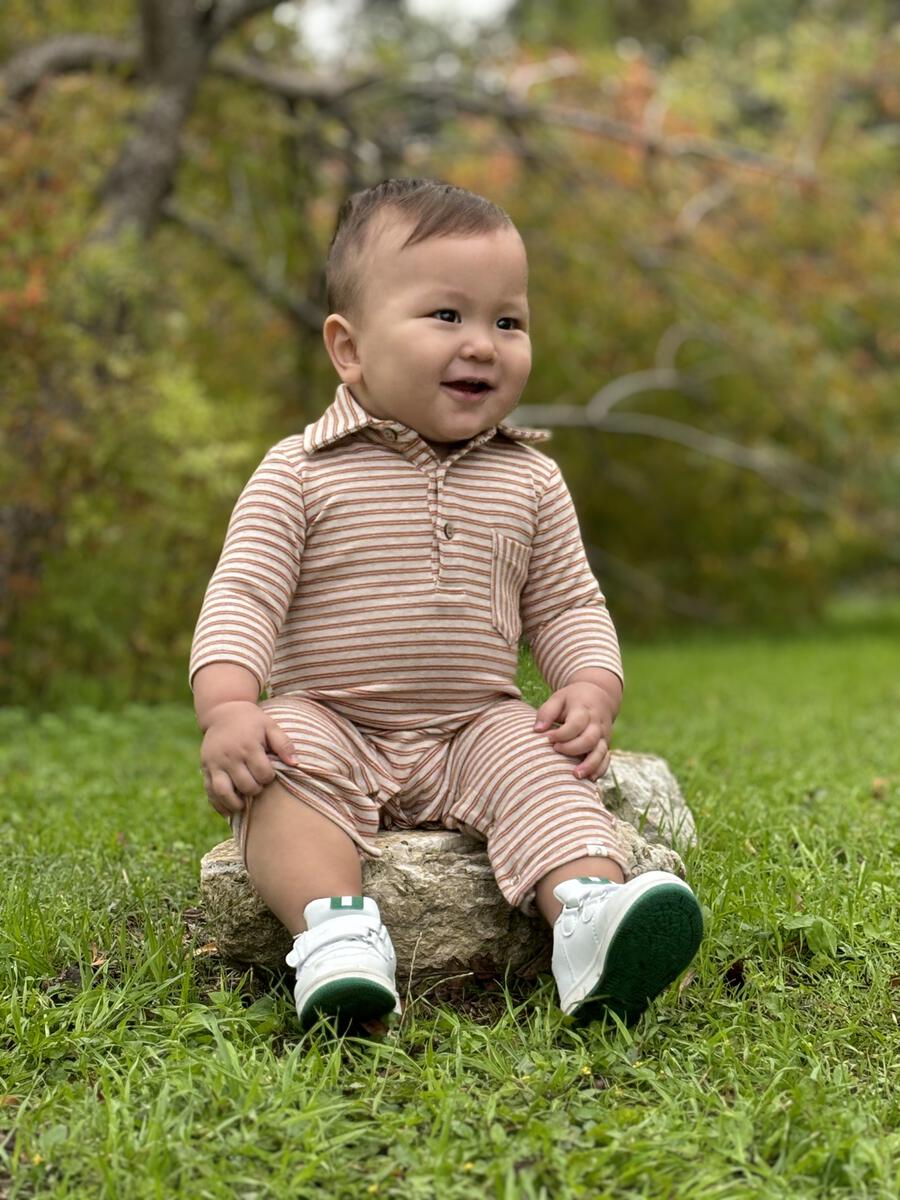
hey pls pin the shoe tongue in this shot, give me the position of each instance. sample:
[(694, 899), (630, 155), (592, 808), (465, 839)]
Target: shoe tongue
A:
[(571, 891), (328, 907)]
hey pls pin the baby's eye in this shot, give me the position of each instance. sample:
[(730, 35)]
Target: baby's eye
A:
[(509, 323), (446, 314)]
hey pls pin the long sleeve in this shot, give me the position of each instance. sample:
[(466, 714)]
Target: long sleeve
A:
[(256, 576), (564, 613)]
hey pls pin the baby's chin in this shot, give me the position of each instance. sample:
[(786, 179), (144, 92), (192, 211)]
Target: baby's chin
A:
[(455, 429)]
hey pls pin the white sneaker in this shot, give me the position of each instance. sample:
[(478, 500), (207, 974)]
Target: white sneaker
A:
[(345, 962), (617, 945)]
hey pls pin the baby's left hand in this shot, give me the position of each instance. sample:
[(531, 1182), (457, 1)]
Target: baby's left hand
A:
[(584, 714)]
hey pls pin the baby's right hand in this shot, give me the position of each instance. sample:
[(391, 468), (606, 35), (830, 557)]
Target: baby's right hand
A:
[(233, 754)]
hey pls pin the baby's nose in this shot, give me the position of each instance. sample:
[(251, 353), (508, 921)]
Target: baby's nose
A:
[(480, 347)]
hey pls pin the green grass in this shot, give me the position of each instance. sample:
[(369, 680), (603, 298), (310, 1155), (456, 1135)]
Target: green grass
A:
[(132, 1067)]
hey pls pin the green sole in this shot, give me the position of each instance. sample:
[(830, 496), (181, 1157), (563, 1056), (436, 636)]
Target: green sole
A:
[(657, 939), (348, 1000)]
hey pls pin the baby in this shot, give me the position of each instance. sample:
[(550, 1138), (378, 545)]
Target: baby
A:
[(378, 572)]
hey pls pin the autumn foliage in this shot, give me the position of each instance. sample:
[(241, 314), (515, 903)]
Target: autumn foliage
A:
[(142, 379)]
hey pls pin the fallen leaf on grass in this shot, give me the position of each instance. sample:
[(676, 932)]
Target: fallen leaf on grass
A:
[(209, 948)]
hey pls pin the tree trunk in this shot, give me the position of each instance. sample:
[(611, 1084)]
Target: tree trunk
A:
[(177, 38)]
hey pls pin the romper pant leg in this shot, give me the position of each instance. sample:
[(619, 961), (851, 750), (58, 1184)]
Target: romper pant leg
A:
[(508, 783), (337, 773)]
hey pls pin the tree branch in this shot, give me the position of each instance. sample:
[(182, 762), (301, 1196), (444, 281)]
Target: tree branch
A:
[(775, 466), (771, 463), (70, 52), (287, 83), (227, 15), (679, 332), (290, 84), (653, 380), (75, 52), (676, 146), (298, 307), (175, 48), (506, 106)]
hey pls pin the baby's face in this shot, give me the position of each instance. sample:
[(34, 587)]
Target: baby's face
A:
[(441, 336)]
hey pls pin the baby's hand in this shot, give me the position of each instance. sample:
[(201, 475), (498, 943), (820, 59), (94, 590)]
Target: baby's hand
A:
[(584, 714), (234, 757)]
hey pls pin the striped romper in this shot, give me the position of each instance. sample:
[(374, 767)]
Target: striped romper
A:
[(378, 594)]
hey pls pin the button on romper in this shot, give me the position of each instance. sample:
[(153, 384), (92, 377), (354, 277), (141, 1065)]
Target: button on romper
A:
[(379, 594)]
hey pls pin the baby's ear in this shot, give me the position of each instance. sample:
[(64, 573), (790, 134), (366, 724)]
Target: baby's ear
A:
[(340, 342)]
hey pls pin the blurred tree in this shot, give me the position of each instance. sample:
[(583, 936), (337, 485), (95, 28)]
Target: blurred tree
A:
[(668, 28), (577, 24), (691, 273)]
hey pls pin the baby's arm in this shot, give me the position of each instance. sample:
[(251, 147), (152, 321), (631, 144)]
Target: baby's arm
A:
[(237, 734), (243, 610), (564, 613), (572, 637)]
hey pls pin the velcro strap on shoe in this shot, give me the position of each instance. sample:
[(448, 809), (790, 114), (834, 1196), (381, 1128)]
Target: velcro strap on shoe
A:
[(328, 932)]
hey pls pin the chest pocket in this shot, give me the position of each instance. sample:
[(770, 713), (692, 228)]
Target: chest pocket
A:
[(509, 570)]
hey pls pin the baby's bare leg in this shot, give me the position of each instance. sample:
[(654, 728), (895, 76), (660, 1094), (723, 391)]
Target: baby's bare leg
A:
[(547, 903), (295, 854)]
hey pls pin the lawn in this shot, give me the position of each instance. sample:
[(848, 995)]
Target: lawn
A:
[(133, 1066)]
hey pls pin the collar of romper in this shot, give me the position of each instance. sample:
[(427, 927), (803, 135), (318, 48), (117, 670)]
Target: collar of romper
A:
[(346, 416)]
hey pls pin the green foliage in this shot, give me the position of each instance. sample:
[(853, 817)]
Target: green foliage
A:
[(575, 24), (140, 384), (124, 462), (129, 425), (25, 24), (667, 28), (117, 460)]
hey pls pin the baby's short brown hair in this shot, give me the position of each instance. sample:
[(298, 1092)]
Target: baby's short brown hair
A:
[(436, 210)]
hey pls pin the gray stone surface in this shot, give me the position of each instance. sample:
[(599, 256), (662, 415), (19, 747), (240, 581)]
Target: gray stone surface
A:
[(437, 894), (641, 789)]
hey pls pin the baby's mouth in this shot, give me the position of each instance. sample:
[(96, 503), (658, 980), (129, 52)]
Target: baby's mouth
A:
[(469, 387)]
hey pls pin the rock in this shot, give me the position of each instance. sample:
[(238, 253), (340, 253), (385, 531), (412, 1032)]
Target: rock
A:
[(437, 894), (641, 789)]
